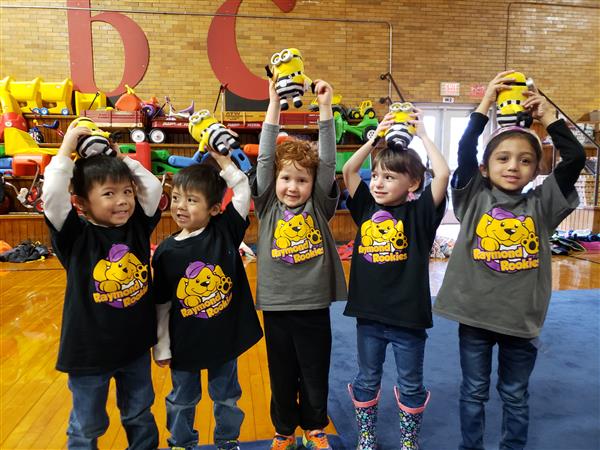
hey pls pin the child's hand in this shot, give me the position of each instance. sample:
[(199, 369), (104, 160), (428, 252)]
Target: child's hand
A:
[(70, 139), (222, 160), (498, 84), (273, 96), (117, 149), (538, 106), (324, 93), (418, 123), (385, 124), (163, 362)]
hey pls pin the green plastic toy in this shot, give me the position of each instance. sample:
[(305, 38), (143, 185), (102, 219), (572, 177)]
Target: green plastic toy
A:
[(363, 130), (160, 155), (159, 168)]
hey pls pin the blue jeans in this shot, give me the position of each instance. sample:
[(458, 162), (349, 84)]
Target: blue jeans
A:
[(223, 388), (516, 359), (409, 348), (135, 396)]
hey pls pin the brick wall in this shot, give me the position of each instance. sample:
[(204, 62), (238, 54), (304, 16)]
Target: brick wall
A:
[(433, 41)]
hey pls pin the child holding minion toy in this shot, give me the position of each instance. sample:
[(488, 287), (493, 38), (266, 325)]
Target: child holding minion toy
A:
[(299, 271), (109, 319), (498, 281), (389, 276), (206, 316)]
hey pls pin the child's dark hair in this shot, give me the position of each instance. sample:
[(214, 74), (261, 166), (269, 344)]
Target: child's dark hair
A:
[(98, 170), (510, 133), (405, 161), (202, 178), (303, 153)]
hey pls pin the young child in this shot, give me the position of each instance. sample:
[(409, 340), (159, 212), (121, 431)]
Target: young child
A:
[(206, 315), (389, 276), (299, 271), (109, 319), (498, 281)]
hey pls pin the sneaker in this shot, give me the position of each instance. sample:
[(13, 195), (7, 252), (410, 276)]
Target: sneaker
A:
[(229, 445), (315, 440), (281, 442)]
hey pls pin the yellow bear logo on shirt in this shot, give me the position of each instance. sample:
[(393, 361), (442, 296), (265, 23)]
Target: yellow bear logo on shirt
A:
[(382, 228), (507, 232)]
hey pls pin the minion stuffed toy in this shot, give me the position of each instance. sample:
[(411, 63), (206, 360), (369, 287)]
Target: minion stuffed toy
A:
[(510, 111), (287, 72), (206, 130), (400, 134), (97, 143)]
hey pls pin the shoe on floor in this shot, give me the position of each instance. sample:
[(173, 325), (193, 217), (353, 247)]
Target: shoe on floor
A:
[(281, 442), (315, 440), (229, 445)]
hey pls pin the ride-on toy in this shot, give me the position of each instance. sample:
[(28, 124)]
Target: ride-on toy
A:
[(364, 130)]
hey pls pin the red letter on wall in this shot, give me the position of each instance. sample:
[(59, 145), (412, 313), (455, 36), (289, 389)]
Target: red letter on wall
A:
[(225, 58), (135, 44)]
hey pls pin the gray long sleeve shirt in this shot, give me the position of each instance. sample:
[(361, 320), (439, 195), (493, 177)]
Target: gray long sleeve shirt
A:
[(306, 272)]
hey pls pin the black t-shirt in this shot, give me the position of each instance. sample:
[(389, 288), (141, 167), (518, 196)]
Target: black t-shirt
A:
[(212, 319), (109, 318), (389, 275)]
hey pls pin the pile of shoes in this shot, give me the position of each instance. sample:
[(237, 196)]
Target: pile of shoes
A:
[(26, 251), (442, 247), (567, 242)]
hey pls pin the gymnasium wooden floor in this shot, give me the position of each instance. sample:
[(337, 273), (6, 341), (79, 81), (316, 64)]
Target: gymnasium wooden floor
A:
[(35, 401)]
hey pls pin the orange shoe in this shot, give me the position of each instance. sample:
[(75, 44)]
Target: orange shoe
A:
[(315, 440), (281, 442)]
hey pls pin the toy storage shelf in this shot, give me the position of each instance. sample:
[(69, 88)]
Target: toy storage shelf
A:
[(16, 227)]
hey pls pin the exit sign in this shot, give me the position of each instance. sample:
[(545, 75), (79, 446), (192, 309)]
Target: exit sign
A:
[(449, 88)]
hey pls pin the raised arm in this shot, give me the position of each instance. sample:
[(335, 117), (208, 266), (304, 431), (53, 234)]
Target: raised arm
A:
[(572, 154), (265, 172), (468, 165), (236, 180), (441, 171), (148, 187), (57, 177), (351, 170), (327, 149)]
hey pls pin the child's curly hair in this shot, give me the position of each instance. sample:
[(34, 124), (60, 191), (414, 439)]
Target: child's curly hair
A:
[(303, 153)]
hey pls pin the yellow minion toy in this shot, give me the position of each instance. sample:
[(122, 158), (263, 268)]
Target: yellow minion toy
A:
[(510, 111), (95, 144), (400, 134), (287, 72), (206, 130)]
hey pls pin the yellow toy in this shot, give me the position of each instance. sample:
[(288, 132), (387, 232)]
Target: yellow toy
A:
[(287, 72), (400, 134), (56, 97), (5, 83), (508, 103), (206, 130), (10, 114), (28, 94), (8, 103), (96, 144), (89, 101)]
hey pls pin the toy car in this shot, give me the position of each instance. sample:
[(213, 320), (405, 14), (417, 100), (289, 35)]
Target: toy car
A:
[(364, 109)]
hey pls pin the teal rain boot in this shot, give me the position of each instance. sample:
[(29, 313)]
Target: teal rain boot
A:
[(410, 422), (366, 419)]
